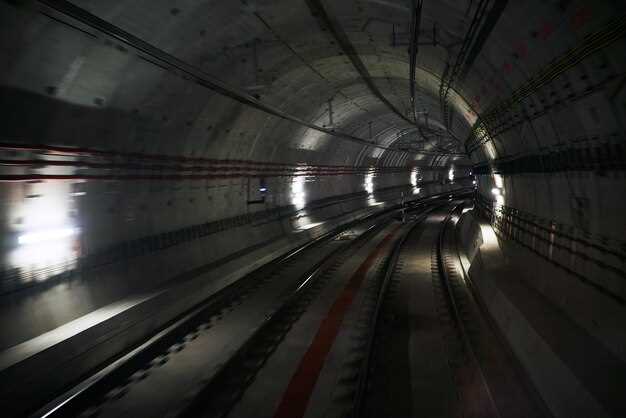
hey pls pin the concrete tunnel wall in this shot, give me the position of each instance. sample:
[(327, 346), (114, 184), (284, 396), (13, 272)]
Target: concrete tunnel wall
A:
[(66, 85), (62, 87), (567, 343)]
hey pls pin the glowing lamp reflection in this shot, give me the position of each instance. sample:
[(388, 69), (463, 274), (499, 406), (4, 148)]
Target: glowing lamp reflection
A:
[(368, 184), (498, 180), (414, 180), (46, 231), (298, 195), (490, 240), (309, 226), (498, 191), (36, 237)]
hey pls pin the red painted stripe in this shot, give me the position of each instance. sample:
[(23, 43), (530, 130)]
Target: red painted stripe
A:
[(300, 388)]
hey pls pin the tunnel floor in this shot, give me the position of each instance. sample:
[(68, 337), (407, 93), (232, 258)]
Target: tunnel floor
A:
[(378, 319)]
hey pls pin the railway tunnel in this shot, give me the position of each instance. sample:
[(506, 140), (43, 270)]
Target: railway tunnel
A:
[(290, 208)]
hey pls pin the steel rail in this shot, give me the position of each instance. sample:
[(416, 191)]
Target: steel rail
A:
[(363, 379), (268, 335), (77, 399), (72, 402), (456, 311)]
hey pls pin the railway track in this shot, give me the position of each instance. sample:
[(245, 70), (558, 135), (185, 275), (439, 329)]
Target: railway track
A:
[(364, 334), (488, 378), (117, 383), (387, 327), (277, 294), (478, 375), (221, 394), (393, 263), (475, 397)]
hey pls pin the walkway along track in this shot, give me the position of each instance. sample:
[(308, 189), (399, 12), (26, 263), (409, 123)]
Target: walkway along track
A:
[(489, 381), (479, 372), (475, 397)]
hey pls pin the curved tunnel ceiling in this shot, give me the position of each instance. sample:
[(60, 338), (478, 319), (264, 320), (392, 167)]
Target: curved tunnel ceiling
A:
[(340, 66), (306, 82), (146, 142), (263, 52)]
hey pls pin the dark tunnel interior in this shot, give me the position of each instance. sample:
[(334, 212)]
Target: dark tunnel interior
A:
[(320, 208)]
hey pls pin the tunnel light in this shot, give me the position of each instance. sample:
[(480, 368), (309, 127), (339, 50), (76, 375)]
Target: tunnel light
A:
[(498, 180), (368, 184), (490, 240), (413, 177), (498, 191), (451, 174), (298, 195), (45, 224), (45, 252), (37, 237), (262, 189), (491, 150), (473, 181), (309, 226)]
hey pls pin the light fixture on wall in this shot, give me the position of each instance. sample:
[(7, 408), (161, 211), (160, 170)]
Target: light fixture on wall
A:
[(298, 195), (498, 190), (414, 180), (256, 193), (368, 183), (46, 234)]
